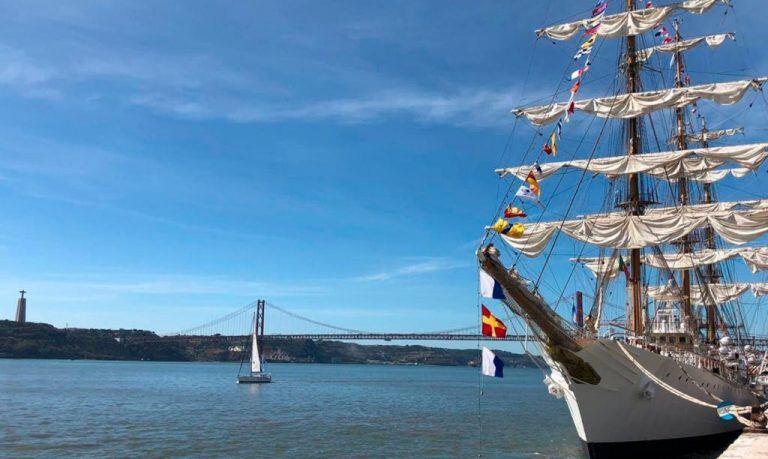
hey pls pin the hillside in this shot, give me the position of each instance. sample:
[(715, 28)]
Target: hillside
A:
[(43, 341)]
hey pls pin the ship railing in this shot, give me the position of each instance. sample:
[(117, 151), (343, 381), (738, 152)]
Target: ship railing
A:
[(694, 359), (669, 326)]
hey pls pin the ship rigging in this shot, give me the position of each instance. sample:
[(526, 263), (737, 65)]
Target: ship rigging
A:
[(680, 355)]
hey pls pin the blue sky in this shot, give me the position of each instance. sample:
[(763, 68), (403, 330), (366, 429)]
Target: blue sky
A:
[(164, 163)]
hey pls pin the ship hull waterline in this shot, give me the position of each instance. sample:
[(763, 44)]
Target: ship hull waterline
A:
[(706, 446), (628, 411)]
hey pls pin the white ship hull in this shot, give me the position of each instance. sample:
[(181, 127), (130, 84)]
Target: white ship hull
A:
[(627, 411)]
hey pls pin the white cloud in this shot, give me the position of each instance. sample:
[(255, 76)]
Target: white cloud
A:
[(101, 288), (414, 269), (200, 87), (479, 107), (25, 74)]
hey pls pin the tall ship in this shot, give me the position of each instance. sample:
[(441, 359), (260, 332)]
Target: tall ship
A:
[(658, 352)]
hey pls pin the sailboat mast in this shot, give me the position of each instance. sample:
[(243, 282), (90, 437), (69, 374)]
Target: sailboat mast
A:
[(633, 148), (682, 184), (710, 237)]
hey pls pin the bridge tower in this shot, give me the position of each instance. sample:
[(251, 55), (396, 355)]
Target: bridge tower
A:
[(260, 317), (259, 325)]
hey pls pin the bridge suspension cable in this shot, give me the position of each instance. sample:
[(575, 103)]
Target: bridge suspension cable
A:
[(316, 322), (226, 325), (209, 325)]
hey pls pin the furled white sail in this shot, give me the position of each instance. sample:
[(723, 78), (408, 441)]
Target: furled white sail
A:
[(627, 23), (664, 165), (713, 176), (618, 230), (635, 104), (709, 293), (712, 41), (759, 289), (707, 136), (756, 259), (255, 358)]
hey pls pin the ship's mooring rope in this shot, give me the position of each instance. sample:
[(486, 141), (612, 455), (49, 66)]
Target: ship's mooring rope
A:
[(661, 383), (696, 383), (735, 410)]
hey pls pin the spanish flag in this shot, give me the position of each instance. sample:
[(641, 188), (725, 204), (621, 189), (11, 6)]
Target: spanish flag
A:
[(491, 325), (533, 184)]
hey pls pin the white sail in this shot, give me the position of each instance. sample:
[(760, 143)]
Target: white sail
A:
[(708, 293), (658, 226), (712, 41), (255, 358), (756, 259), (631, 105), (715, 176), (707, 136), (627, 23), (664, 165)]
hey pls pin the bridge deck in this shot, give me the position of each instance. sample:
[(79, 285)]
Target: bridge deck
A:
[(398, 337), (760, 342)]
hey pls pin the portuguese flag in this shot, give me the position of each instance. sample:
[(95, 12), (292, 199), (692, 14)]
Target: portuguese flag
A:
[(623, 267)]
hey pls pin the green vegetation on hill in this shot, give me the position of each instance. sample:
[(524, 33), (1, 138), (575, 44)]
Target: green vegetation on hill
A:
[(43, 341)]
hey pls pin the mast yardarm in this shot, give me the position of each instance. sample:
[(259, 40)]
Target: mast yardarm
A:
[(696, 163), (756, 259), (631, 22), (679, 46), (736, 222), (634, 104)]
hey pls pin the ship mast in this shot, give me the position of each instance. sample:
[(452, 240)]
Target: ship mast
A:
[(710, 237), (682, 183), (633, 148)]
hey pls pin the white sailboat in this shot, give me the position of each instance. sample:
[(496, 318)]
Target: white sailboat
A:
[(682, 370), (256, 375)]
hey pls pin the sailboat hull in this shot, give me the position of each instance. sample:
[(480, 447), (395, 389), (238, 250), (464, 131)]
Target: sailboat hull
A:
[(628, 411), (255, 379)]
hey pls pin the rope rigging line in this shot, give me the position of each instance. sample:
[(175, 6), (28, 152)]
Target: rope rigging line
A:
[(561, 176), (536, 135)]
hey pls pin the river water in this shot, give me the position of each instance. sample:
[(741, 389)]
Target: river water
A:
[(152, 409)]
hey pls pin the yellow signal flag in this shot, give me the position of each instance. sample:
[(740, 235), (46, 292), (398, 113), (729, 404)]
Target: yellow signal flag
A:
[(588, 44), (516, 231), (501, 226)]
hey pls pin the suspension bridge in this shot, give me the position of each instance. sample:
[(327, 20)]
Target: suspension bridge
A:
[(237, 324), (234, 327)]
